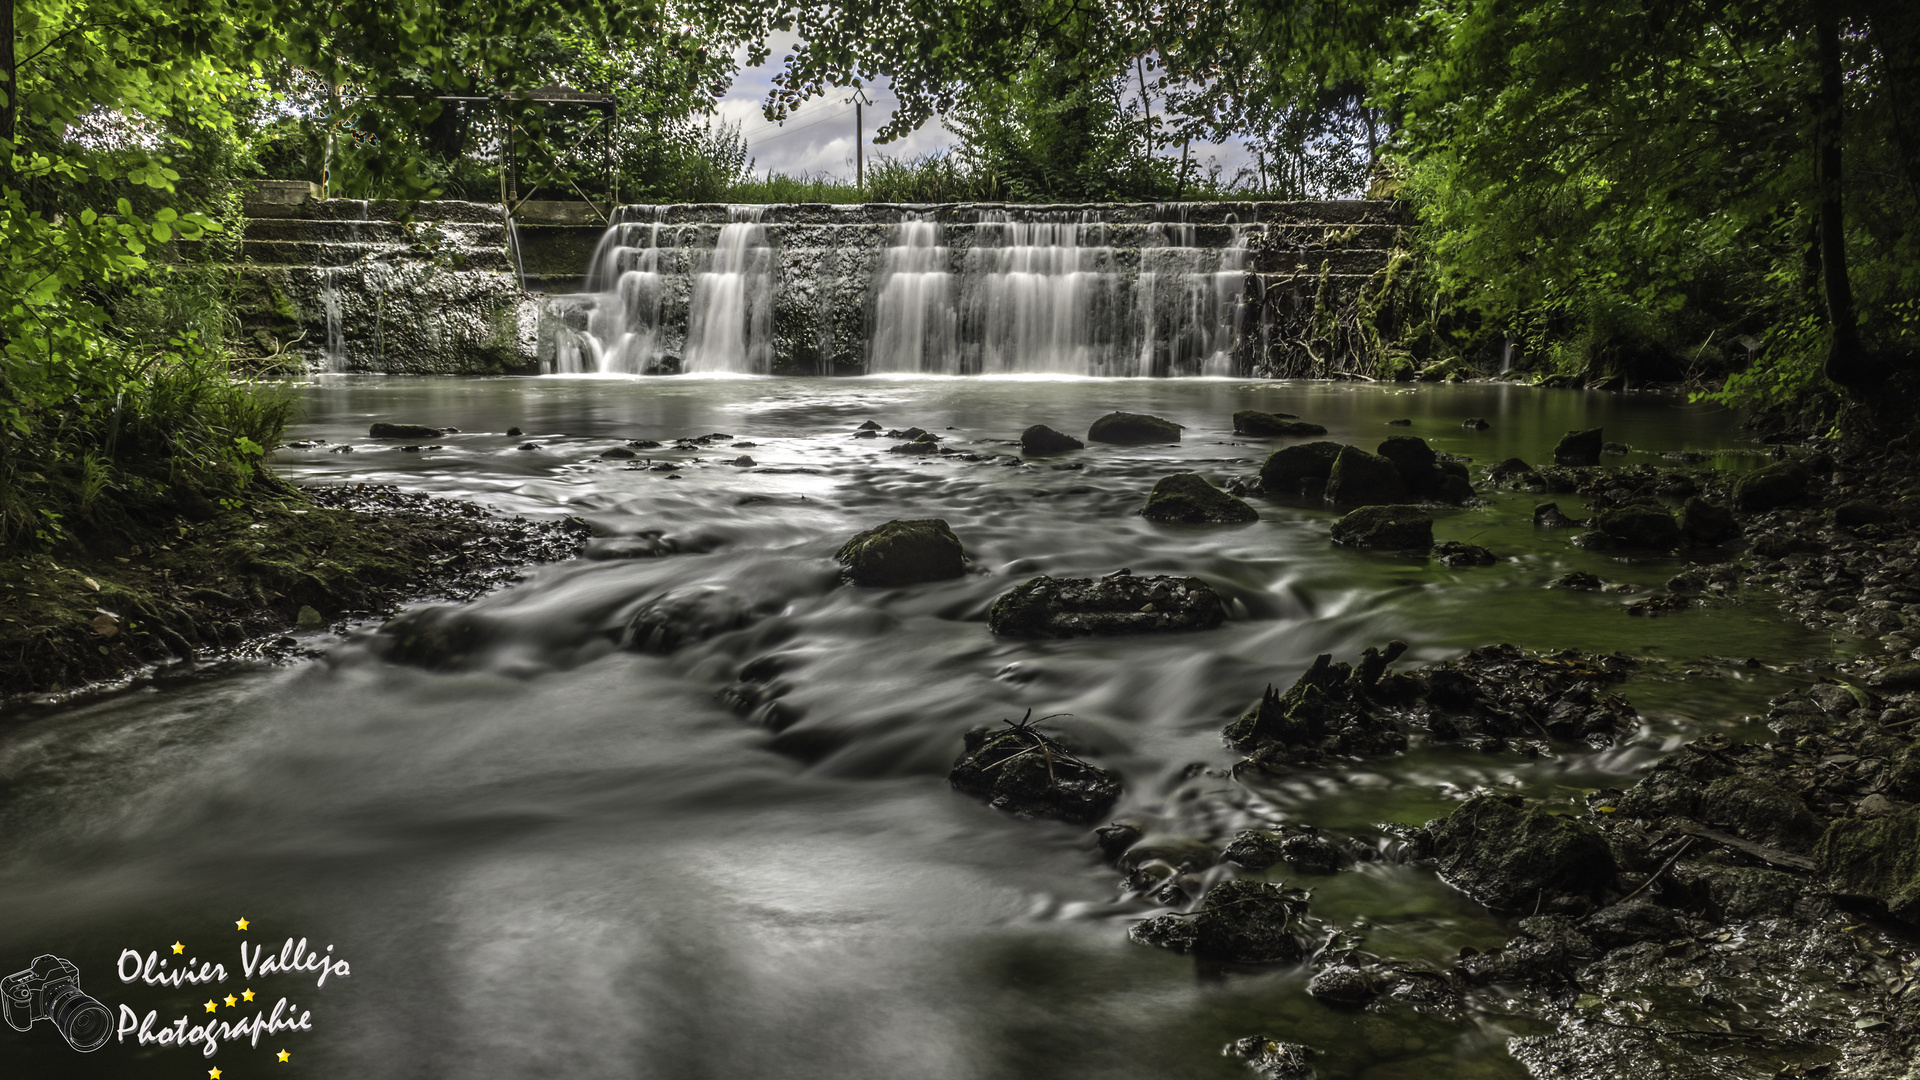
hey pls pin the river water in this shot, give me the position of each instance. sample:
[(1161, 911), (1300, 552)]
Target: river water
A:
[(560, 858)]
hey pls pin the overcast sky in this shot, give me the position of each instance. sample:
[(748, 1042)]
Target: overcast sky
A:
[(819, 137)]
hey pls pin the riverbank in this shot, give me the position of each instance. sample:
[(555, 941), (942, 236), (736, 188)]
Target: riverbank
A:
[(239, 582)]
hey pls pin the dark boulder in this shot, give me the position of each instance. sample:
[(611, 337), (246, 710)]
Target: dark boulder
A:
[(1639, 526), (1133, 429), (1630, 921), (1579, 448), (1419, 466), (1302, 848), (1022, 771), (1040, 440), (1759, 810), (1875, 859), (1286, 468), (687, 615), (1362, 479), (1117, 604), (618, 452), (903, 553), (1266, 425), (1511, 856), (1404, 528), (1701, 522), (1188, 499), (1245, 922), (402, 431), (1516, 472), (1255, 849), (1772, 487), (1475, 423)]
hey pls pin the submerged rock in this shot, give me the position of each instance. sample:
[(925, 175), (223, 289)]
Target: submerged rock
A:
[(1188, 499), (1405, 528), (1027, 773), (1511, 856), (1040, 440), (1266, 425), (1116, 604), (403, 431), (903, 553), (1133, 429), (1772, 487), (1362, 479), (1301, 847), (687, 615), (1579, 448), (1476, 423), (1344, 985), (1245, 922), (1875, 859), (1286, 468)]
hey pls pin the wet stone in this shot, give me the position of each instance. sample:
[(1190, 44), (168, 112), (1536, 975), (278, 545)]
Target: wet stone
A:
[(1245, 922), (1344, 986), (1402, 528), (1286, 468), (1362, 479), (1133, 429), (1643, 527), (903, 553), (1025, 772), (1188, 499), (1701, 522), (1457, 554), (1265, 425), (1512, 856), (1579, 448), (1040, 440), (1772, 487), (402, 431), (1116, 604)]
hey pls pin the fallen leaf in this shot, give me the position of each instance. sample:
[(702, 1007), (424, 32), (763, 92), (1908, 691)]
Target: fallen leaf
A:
[(105, 625), (91, 584)]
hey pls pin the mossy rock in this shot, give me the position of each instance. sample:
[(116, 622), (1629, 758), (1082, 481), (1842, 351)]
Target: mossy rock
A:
[(1362, 479), (1701, 522), (1511, 856), (1041, 440), (1579, 448), (1401, 528), (1133, 429), (1266, 425), (1188, 499), (1287, 467), (1030, 774), (1875, 859), (903, 553), (1772, 487)]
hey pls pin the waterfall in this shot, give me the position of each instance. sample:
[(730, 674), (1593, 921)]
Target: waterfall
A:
[(1043, 296), (1128, 290), (330, 303), (730, 321), (914, 322)]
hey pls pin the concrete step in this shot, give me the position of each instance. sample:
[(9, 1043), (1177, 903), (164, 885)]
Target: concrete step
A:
[(319, 253), (488, 234)]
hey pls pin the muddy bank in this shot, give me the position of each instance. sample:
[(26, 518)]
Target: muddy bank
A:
[(238, 582)]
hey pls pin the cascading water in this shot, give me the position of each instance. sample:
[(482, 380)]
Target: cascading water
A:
[(730, 317), (1005, 291), (914, 323), (336, 338)]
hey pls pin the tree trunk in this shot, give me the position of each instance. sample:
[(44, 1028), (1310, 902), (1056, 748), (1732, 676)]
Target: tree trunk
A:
[(1847, 363)]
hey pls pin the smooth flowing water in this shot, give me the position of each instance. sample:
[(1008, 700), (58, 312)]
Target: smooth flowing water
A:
[(562, 858)]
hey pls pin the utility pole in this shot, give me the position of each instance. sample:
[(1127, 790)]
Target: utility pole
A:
[(859, 99)]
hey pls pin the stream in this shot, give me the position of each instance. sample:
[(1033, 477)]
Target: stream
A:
[(558, 857)]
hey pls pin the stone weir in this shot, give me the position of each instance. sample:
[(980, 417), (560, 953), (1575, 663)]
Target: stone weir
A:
[(347, 285), (1105, 289), (1102, 289)]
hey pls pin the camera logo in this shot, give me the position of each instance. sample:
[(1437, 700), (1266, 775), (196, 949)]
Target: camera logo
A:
[(49, 989)]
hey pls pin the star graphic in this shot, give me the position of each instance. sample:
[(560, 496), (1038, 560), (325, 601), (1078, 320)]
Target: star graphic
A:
[(214, 1072), (211, 1005), (231, 1001), (242, 924), (284, 1055), (246, 995), (178, 948)]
